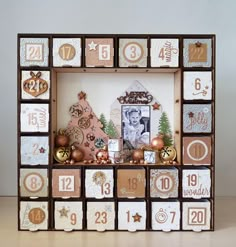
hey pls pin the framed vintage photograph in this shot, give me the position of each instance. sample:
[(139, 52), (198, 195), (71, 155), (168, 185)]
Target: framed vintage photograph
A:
[(136, 124)]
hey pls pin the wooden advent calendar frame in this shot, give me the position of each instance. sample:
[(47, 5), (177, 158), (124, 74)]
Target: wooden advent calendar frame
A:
[(179, 101)]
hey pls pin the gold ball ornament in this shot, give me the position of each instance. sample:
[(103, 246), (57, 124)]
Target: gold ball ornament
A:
[(61, 154), (168, 154), (157, 143), (76, 154), (138, 155)]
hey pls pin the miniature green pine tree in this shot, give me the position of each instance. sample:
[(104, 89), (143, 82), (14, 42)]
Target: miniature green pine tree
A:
[(103, 121), (110, 130), (165, 130)]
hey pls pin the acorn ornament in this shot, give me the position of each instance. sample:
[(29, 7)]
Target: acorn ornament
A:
[(76, 154), (61, 139), (157, 143), (168, 154)]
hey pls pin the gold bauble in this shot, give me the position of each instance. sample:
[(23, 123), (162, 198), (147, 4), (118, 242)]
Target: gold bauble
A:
[(157, 143), (168, 153), (76, 154), (138, 155), (62, 154), (61, 140)]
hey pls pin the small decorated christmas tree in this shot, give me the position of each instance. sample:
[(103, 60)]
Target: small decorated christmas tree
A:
[(165, 130), (103, 121), (111, 130)]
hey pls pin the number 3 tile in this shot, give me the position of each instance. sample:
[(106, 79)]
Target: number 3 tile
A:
[(68, 215), (132, 216), (66, 183), (101, 215), (99, 183)]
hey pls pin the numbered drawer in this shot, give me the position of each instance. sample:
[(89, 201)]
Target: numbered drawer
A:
[(34, 150), (196, 216), (166, 215), (133, 52), (66, 183), (197, 118), (67, 52), (99, 183), (197, 52), (99, 52), (34, 183), (131, 183), (197, 150), (198, 85), (196, 183), (34, 118), (68, 215), (35, 85), (164, 183), (101, 215), (132, 215), (33, 215), (34, 52), (164, 52)]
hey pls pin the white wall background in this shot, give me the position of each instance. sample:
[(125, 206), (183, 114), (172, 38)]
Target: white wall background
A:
[(121, 16)]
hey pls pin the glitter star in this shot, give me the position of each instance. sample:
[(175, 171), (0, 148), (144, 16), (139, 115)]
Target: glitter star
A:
[(82, 95), (86, 144), (156, 106), (190, 114), (92, 46), (63, 212), (137, 217), (42, 150)]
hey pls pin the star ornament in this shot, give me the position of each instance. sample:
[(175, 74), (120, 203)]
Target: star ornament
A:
[(64, 212), (156, 106), (137, 217), (42, 150), (92, 46), (82, 95), (191, 114)]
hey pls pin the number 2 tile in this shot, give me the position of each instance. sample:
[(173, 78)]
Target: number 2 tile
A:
[(66, 183), (99, 183), (68, 215), (132, 216), (101, 215)]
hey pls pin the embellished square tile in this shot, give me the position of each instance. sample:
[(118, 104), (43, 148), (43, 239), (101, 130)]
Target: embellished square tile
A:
[(166, 215), (33, 215), (164, 52), (196, 216), (34, 182), (164, 183), (34, 118), (131, 183), (133, 52), (99, 183), (99, 52), (151, 157), (101, 215), (197, 85), (34, 52), (68, 215), (197, 150), (197, 52), (196, 183), (132, 215), (34, 150), (67, 52), (35, 84), (66, 183), (197, 118), (115, 145)]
